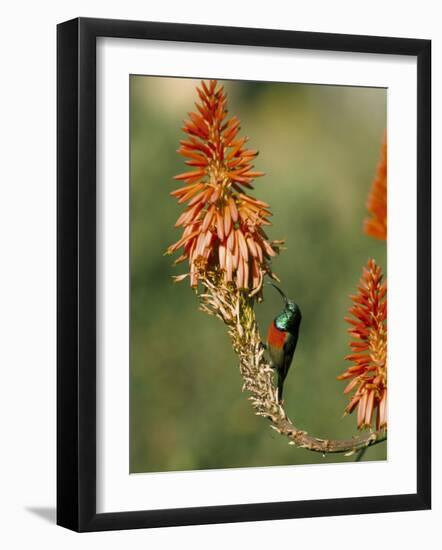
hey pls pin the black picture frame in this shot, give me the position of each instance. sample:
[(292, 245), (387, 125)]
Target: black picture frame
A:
[(76, 273)]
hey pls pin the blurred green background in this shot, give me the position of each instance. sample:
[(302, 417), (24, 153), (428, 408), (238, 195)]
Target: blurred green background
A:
[(319, 146)]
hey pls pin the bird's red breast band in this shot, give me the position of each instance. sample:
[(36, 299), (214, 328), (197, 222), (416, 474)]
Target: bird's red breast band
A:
[(276, 337)]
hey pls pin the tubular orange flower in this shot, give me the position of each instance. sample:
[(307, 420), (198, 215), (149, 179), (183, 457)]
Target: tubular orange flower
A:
[(368, 374), (223, 224), (376, 225)]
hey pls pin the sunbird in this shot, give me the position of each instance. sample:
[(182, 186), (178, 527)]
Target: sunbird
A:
[(282, 338)]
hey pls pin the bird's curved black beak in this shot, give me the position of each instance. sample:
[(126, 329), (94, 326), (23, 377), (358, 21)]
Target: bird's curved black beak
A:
[(280, 292)]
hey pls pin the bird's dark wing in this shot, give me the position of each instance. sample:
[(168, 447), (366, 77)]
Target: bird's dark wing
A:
[(286, 359), (289, 350)]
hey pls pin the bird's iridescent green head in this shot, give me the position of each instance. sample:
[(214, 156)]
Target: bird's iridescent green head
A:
[(290, 318)]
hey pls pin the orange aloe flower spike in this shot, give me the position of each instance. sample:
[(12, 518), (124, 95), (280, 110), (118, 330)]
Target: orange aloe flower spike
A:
[(221, 222), (367, 376), (376, 225)]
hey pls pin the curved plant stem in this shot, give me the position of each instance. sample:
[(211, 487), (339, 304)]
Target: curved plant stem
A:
[(236, 309), (360, 454)]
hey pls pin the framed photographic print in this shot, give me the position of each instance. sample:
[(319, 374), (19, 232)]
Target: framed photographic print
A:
[(207, 293)]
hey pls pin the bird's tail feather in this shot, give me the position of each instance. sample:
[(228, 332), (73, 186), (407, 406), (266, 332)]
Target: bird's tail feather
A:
[(280, 386)]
